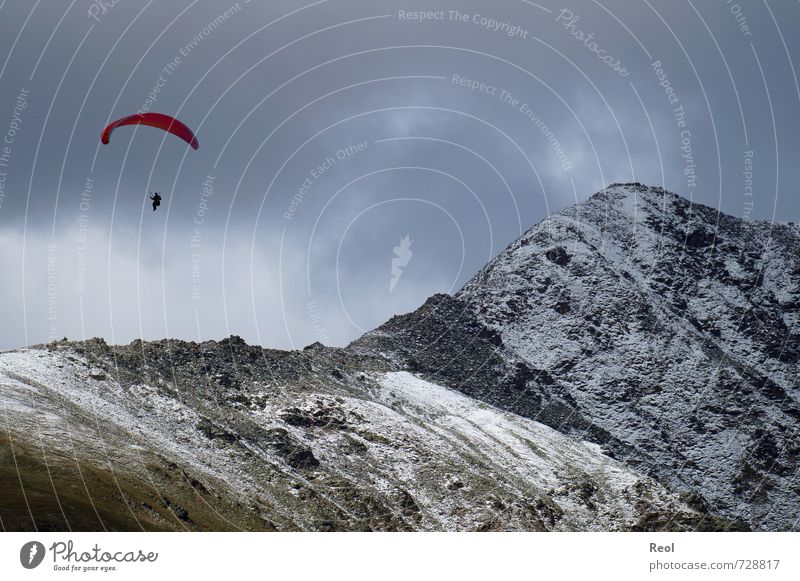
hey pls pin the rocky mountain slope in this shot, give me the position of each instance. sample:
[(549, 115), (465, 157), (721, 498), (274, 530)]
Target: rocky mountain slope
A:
[(664, 331), (225, 436)]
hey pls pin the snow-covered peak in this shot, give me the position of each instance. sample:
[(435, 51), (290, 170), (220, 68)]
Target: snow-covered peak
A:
[(674, 327), (664, 330)]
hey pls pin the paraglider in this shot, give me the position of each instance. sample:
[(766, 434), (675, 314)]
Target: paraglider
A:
[(157, 120)]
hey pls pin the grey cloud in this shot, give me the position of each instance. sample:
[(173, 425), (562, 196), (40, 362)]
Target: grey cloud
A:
[(389, 83)]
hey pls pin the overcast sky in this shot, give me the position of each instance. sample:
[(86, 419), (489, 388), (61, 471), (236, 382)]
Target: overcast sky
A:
[(331, 130)]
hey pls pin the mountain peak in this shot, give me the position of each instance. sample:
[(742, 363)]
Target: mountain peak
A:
[(632, 189), (635, 202)]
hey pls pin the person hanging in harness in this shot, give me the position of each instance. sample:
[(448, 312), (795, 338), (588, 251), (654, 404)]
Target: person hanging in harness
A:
[(156, 201)]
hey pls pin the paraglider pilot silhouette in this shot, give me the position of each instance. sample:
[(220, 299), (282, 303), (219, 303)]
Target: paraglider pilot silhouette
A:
[(156, 201)]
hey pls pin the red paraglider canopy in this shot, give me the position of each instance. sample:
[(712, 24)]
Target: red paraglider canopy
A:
[(157, 120)]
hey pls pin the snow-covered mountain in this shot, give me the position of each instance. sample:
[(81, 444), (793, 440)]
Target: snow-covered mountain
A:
[(629, 363), (666, 332), (220, 436)]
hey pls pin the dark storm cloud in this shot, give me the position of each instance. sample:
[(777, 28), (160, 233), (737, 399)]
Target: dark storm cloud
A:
[(332, 131)]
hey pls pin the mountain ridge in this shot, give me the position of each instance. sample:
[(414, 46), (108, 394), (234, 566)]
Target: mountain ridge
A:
[(235, 437)]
